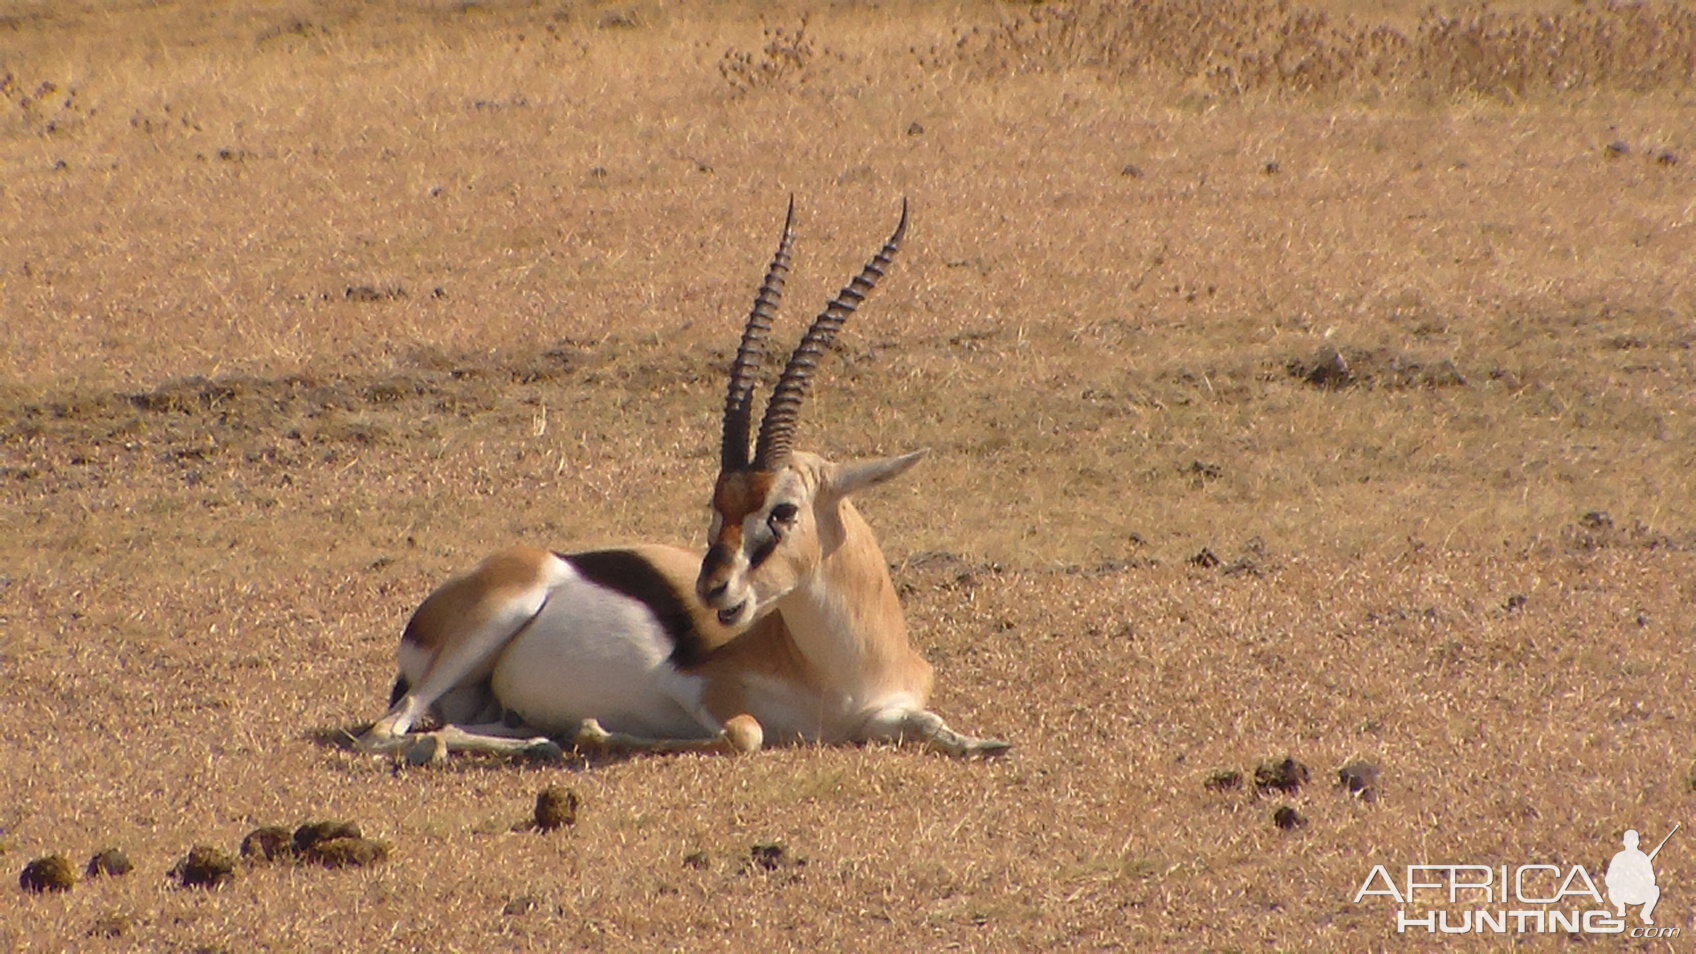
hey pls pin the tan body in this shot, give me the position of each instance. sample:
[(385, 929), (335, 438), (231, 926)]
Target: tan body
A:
[(787, 630)]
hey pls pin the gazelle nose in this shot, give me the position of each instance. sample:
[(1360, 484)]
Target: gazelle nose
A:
[(712, 565)]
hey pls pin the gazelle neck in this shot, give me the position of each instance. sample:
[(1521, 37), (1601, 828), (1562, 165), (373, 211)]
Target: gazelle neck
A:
[(845, 618)]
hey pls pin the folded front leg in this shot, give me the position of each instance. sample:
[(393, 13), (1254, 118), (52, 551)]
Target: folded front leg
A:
[(928, 729)]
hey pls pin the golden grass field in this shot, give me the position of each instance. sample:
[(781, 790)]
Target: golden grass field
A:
[(305, 306)]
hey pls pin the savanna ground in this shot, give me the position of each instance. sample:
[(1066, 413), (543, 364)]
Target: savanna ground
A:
[(305, 306)]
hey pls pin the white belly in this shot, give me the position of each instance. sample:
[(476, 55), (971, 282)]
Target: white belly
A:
[(595, 654)]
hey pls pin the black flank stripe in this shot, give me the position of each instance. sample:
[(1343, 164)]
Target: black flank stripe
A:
[(625, 572)]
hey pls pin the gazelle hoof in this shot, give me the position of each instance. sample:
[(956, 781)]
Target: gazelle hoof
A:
[(743, 734), (375, 741), (429, 749), (545, 750), (591, 735)]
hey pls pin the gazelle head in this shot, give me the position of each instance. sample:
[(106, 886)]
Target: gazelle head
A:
[(779, 512)]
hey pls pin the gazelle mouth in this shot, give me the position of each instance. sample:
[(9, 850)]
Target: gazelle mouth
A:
[(730, 614)]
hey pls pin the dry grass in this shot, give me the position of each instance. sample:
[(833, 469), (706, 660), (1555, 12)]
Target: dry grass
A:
[(1244, 48), (303, 306)]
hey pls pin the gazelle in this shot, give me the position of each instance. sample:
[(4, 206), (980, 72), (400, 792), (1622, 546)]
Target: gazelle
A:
[(788, 629)]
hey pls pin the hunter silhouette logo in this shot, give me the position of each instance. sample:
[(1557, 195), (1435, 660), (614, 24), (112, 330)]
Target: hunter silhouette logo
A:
[(1525, 898), (1631, 876)]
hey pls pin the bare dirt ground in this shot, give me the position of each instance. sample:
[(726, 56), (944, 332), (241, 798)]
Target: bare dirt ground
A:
[(1294, 388)]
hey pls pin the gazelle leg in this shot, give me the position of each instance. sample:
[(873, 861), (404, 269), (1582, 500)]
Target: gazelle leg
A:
[(459, 629), (740, 735), (927, 728), (493, 739)]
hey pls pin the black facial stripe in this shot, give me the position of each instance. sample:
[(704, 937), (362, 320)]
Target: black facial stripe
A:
[(627, 573), (718, 555), (763, 551)]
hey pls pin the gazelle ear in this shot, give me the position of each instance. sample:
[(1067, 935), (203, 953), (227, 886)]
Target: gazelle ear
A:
[(851, 478)]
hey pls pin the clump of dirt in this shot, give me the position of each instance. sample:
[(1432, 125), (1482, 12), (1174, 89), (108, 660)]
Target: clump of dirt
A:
[(772, 856), (1337, 368), (1360, 779), (269, 843), (204, 867), (109, 861), (1288, 819), (311, 833), (332, 844), (1223, 780), (1285, 775), (346, 852), (52, 873), (556, 807)]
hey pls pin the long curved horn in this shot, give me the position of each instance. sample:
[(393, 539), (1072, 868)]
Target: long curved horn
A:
[(777, 428), (733, 455)]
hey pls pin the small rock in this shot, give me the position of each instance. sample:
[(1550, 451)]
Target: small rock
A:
[(1206, 559), (1329, 370), (270, 843), (556, 807), (204, 867), (1288, 819), (1224, 780), (1616, 149), (1287, 775), (1666, 158), (1360, 779), (915, 128), (52, 873), (1271, 168), (1131, 171), (109, 861)]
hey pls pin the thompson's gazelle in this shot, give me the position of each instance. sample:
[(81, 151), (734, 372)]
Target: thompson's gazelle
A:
[(788, 630)]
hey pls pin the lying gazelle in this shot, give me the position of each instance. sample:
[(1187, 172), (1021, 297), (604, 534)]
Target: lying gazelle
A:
[(787, 631)]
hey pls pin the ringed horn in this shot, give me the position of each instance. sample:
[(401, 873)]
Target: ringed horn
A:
[(777, 427)]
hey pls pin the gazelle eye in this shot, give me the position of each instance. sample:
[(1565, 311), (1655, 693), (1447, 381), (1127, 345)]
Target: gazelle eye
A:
[(784, 512)]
